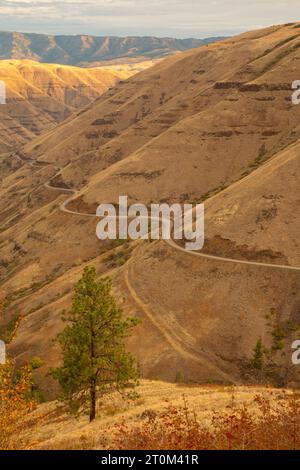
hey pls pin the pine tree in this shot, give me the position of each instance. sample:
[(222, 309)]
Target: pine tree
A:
[(95, 359), (257, 361)]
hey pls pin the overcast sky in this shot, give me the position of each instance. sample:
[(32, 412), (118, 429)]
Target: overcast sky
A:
[(175, 18)]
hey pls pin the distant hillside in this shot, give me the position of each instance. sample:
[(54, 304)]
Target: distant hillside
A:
[(87, 50), (39, 96)]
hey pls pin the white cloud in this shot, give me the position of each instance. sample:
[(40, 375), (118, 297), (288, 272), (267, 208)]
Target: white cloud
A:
[(180, 18)]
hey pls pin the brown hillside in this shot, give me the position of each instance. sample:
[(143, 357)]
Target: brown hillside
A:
[(184, 130), (40, 96)]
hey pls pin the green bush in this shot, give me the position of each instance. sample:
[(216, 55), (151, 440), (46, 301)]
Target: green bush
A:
[(36, 363), (257, 361)]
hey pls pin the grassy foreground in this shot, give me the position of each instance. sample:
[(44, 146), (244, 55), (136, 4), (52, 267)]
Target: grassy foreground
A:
[(174, 416)]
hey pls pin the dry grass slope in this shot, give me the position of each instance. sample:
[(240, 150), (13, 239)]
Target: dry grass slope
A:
[(214, 124), (231, 415), (39, 96)]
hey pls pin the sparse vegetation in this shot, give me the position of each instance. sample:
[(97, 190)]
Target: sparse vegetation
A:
[(179, 377), (119, 255), (8, 331), (199, 313), (279, 57), (278, 332), (261, 158)]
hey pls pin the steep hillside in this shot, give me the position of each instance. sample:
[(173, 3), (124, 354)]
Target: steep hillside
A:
[(214, 124), (40, 96), (204, 116), (90, 50)]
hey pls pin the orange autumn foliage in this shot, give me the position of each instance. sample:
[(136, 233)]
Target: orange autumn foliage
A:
[(15, 397), (15, 404), (275, 425)]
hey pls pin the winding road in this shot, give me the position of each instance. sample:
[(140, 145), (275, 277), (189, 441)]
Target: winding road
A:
[(170, 242), (177, 340)]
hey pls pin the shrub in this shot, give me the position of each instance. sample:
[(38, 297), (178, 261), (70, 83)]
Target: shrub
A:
[(36, 362), (275, 426), (179, 378), (15, 404)]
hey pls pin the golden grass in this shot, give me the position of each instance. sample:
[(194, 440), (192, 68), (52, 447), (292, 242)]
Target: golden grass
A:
[(56, 429)]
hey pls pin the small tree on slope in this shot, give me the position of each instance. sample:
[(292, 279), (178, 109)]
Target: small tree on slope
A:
[(95, 359), (257, 361)]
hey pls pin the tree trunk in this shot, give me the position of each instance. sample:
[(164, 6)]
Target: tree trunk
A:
[(93, 378), (92, 400)]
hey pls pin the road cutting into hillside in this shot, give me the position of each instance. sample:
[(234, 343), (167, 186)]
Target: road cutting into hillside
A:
[(178, 340), (63, 207), (170, 242)]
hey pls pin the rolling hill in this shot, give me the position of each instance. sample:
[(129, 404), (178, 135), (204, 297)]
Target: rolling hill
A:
[(91, 50), (39, 96), (214, 124)]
